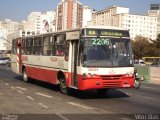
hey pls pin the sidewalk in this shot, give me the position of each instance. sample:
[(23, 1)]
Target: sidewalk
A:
[(155, 81)]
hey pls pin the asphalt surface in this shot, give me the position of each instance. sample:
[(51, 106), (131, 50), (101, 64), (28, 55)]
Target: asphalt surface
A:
[(38, 101)]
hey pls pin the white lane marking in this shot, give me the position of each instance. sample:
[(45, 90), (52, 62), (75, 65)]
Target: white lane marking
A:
[(149, 98), (6, 83), (44, 95), (20, 91), (42, 105), (13, 87), (21, 88), (61, 116), (150, 88), (79, 105), (29, 97)]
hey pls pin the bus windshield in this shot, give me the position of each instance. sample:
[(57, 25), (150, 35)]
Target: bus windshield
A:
[(106, 52)]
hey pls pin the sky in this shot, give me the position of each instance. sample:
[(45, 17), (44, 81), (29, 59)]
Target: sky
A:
[(18, 10)]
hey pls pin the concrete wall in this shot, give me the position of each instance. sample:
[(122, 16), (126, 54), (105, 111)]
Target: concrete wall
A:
[(151, 74), (155, 75)]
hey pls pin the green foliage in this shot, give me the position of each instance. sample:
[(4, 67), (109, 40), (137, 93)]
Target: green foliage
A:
[(145, 47)]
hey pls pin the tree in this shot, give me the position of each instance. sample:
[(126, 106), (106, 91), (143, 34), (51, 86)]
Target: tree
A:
[(156, 43), (141, 47)]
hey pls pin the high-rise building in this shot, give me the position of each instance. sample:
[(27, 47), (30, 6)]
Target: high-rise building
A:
[(34, 22), (106, 17), (48, 21), (155, 7), (155, 12), (142, 25), (41, 22), (69, 14), (138, 25), (87, 16)]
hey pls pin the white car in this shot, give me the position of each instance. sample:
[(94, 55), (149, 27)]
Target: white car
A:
[(3, 61)]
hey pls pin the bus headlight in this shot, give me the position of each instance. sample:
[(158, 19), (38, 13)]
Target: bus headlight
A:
[(129, 75), (89, 75)]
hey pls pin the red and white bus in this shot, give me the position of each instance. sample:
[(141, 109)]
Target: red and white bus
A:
[(85, 58)]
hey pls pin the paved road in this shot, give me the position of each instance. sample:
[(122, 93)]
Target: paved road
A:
[(40, 100)]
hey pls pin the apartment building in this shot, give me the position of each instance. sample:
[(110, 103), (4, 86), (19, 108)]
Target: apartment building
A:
[(106, 17), (6, 27), (87, 15), (69, 14), (145, 26), (10, 25), (155, 12), (41, 22), (3, 38), (34, 22)]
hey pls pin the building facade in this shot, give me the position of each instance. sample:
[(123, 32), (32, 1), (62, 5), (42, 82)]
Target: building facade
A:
[(87, 16), (138, 25), (3, 38), (69, 15), (41, 22), (155, 12), (48, 21), (7, 27), (106, 17), (34, 22), (145, 26)]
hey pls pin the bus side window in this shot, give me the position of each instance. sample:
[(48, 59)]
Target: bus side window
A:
[(47, 45), (59, 45), (37, 46), (29, 44)]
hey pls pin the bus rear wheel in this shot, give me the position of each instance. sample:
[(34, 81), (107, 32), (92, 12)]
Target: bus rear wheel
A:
[(63, 87), (25, 76)]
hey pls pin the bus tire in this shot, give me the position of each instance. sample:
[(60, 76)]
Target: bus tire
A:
[(137, 84), (63, 87), (102, 91), (25, 76)]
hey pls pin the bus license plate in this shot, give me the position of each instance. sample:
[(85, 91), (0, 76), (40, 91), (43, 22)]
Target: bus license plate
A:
[(127, 85)]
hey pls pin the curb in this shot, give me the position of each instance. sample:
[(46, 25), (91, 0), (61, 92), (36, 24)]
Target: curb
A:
[(155, 81)]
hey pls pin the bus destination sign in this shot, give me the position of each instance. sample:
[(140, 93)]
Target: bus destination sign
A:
[(111, 33), (107, 32)]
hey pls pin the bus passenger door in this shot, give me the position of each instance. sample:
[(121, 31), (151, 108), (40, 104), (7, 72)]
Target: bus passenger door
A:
[(73, 65)]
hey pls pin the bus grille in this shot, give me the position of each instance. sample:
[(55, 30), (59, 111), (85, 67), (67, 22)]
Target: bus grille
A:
[(111, 84), (111, 77)]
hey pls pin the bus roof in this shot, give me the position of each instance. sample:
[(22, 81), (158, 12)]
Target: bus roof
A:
[(105, 27), (76, 29)]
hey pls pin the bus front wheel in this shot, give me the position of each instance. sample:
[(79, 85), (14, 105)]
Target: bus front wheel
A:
[(63, 87), (103, 91)]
